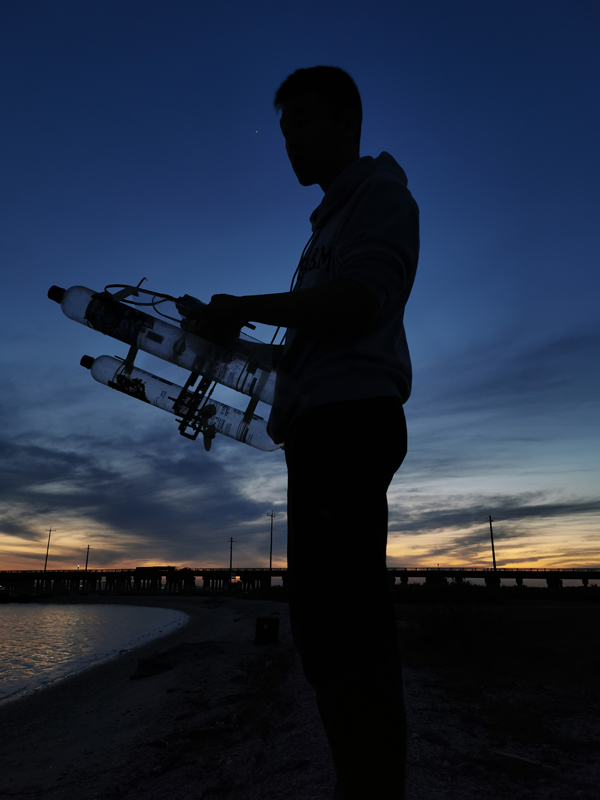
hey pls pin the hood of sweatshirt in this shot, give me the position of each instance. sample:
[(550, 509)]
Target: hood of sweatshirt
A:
[(347, 182)]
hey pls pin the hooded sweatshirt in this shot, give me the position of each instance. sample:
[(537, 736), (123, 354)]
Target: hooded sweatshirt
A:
[(366, 230)]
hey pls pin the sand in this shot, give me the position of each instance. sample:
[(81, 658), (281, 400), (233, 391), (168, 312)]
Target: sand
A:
[(211, 714), (208, 696)]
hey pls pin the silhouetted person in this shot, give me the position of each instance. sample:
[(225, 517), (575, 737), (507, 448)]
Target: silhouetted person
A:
[(345, 373)]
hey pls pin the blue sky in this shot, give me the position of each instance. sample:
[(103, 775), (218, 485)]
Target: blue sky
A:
[(139, 140)]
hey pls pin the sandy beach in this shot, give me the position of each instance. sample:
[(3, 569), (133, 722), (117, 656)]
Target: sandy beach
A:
[(202, 698), (207, 713), (117, 730)]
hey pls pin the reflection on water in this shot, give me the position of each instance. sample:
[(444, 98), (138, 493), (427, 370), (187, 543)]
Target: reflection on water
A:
[(40, 643)]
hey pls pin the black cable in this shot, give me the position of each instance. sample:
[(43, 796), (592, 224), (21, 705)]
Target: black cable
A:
[(296, 271), (168, 298), (165, 298)]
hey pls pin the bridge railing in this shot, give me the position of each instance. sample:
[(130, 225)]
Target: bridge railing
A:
[(157, 570)]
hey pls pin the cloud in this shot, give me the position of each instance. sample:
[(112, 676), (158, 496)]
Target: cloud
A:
[(507, 409), (508, 375), (529, 528), (136, 494), (114, 473), (426, 513)]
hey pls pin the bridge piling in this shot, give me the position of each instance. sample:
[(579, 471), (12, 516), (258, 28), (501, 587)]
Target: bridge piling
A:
[(493, 581), (170, 580)]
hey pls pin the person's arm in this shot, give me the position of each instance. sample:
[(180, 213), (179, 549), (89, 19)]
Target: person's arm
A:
[(337, 307)]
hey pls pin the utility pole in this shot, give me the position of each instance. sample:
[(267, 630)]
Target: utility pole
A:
[(48, 548), (272, 515), (492, 536), (87, 557), (231, 541)]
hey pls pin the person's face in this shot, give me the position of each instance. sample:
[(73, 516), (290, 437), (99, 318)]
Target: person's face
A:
[(315, 140)]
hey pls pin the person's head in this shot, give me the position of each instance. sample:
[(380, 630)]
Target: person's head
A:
[(321, 117)]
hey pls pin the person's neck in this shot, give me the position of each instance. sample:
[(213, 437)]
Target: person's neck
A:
[(340, 166)]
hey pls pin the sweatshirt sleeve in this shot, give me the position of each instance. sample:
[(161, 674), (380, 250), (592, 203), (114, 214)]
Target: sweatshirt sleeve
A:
[(379, 245)]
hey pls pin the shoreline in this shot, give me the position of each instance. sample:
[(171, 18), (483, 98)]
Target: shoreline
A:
[(77, 667), (222, 718), (96, 728)]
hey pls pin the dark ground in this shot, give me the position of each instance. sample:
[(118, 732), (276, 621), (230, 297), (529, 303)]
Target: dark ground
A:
[(503, 701)]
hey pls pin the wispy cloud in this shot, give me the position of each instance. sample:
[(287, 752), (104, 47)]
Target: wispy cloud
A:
[(422, 514), (530, 376), (115, 474), (530, 527), (161, 493)]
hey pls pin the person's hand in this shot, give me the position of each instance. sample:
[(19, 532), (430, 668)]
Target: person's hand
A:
[(221, 320)]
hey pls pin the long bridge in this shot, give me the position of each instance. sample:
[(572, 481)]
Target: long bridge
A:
[(173, 580)]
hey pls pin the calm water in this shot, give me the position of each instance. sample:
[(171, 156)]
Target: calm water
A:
[(40, 644)]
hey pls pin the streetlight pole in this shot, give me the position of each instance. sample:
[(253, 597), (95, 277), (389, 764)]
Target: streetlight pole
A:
[(48, 547), (492, 537), (272, 515)]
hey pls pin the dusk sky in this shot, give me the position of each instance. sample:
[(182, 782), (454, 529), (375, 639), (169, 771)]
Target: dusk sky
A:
[(139, 139)]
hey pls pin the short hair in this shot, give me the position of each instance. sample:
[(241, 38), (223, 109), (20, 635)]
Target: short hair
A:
[(331, 83)]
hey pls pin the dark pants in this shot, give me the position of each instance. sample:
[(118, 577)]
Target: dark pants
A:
[(341, 459)]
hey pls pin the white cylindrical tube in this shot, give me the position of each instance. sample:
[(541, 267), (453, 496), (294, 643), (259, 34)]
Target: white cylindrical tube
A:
[(162, 393), (245, 368)]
